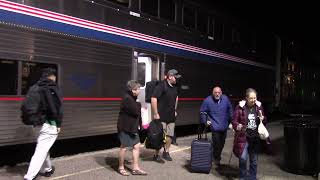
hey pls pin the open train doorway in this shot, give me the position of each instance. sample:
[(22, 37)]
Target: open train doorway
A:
[(148, 68)]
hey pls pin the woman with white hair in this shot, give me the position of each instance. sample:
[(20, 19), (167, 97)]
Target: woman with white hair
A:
[(128, 127), (246, 118)]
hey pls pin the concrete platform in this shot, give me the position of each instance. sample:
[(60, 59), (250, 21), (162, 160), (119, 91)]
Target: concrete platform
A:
[(103, 164)]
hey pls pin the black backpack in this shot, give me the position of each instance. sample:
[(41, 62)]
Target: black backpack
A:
[(150, 86), (32, 106), (155, 135)]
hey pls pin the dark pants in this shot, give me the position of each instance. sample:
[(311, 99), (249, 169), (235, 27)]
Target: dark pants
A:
[(174, 139), (218, 140), (252, 156)]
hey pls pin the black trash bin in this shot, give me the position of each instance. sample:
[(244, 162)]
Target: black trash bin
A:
[(302, 146)]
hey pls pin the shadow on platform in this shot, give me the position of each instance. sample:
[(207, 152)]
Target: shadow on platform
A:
[(228, 171), (225, 170)]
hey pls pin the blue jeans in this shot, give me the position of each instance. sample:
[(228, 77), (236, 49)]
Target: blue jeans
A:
[(244, 174)]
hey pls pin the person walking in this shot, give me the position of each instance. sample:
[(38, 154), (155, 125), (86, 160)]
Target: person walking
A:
[(50, 107), (164, 102), (129, 122), (216, 111), (247, 116)]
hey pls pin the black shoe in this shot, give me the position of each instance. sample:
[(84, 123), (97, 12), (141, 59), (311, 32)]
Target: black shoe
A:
[(158, 159), (166, 156), (48, 173)]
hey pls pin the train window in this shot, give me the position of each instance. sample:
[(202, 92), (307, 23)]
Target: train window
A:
[(202, 22), (124, 3), (227, 32), (8, 77), (92, 12), (31, 72), (47, 5), (211, 26), (253, 42), (189, 17), (142, 73), (25, 2), (167, 10), (71, 7), (219, 30), (149, 7), (235, 35)]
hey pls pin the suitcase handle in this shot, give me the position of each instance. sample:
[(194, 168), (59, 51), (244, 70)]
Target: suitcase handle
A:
[(205, 129)]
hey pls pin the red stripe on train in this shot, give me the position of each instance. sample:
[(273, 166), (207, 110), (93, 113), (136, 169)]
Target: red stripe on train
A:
[(11, 98), (117, 99), (65, 98), (190, 99), (92, 99)]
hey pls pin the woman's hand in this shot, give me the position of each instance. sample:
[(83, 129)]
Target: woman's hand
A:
[(239, 127), (261, 117)]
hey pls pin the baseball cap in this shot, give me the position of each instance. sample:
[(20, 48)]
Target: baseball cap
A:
[(48, 72), (173, 72)]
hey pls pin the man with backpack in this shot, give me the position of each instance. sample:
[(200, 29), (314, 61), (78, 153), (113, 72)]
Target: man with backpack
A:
[(42, 106), (164, 102)]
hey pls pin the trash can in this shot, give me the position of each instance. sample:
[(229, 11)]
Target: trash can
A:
[(302, 146)]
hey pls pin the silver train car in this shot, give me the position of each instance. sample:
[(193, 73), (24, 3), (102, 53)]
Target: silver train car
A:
[(96, 50)]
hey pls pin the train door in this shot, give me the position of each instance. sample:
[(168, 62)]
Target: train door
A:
[(148, 68)]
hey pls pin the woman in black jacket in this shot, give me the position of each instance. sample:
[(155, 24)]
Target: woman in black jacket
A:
[(128, 126)]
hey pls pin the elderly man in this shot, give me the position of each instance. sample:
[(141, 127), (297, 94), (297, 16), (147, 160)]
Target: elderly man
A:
[(216, 111)]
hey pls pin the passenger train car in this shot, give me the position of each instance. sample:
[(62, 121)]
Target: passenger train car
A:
[(97, 46)]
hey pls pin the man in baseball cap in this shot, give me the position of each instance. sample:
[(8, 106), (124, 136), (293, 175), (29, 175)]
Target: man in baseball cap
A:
[(164, 101), (173, 72)]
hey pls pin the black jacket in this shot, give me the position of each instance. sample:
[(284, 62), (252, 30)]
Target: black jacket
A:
[(130, 114), (51, 99)]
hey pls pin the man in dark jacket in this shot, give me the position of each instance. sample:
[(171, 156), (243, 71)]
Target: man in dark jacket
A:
[(216, 111), (51, 110)]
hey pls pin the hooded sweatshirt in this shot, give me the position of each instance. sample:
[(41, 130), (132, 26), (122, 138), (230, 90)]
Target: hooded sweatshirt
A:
[(52, 99)]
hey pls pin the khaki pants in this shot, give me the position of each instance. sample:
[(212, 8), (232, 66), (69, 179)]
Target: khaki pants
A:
[(168, 128)]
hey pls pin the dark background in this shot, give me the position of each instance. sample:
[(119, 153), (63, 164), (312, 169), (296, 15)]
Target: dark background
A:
[(295, 22), (293, 19)]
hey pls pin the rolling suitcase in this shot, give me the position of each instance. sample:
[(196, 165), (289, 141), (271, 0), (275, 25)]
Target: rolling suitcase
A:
[(201, 153)]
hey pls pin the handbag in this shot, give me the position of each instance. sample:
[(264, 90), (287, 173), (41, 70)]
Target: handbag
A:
[(144, 118), (263, 132)]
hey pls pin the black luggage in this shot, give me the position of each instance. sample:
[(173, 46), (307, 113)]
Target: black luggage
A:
[(155, 135), (201, 153)]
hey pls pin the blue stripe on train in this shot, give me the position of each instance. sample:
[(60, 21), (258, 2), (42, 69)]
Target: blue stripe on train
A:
[(35, 22)]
